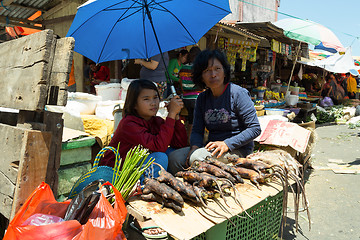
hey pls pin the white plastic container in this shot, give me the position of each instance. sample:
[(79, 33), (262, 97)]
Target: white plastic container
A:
[(274, 111), (109, 91), (294, 90), (292, 100)]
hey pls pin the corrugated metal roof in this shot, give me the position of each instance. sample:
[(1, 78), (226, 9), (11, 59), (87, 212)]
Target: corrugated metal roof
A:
[(240, 31), (267, 30), (22, 9)]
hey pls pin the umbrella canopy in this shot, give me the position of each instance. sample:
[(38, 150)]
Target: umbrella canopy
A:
[(337, 63), (310, 32), (106, 30)]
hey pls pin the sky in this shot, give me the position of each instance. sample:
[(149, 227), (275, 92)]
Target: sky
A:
[(342, 17)]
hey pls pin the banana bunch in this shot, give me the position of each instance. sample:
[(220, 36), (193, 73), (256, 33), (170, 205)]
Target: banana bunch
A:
[(272, 95)]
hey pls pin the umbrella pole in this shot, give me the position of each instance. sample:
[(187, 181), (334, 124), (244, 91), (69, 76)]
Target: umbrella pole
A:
[(293, 68), (172, 88)]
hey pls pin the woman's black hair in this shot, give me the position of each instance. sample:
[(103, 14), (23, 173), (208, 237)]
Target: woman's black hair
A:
[(194, 51), (201, 63), (183, 52), (133, 93)]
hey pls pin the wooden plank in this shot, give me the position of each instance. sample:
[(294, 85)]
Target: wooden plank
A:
[(78, 143), (32, 166), (75, 156), (5, 205), (54, 124), (9, 118), (60, 71), (24, 65), (11, 148)]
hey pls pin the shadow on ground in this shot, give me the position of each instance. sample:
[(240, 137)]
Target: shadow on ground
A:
[(289, 231)]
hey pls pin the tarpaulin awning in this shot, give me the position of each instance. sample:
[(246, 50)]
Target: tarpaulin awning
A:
[(337, 63)]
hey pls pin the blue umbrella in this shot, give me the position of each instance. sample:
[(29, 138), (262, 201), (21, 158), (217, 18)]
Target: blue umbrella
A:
[(106, 30)]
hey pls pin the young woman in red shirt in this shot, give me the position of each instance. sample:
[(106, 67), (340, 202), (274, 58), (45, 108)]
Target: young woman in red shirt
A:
[(140, 125)]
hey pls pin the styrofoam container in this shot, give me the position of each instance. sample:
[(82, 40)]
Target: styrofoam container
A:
[(109, 91), (274, 111)]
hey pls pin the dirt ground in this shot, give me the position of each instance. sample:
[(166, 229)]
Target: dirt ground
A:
[(334, 198)]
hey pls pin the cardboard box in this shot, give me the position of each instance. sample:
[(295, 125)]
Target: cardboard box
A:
[(280, 133)]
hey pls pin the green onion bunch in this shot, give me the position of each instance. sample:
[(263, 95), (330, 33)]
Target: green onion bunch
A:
[(125, 179)]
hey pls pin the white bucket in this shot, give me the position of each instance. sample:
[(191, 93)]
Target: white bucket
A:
[(292, 100), (294, 90), (108, 91)]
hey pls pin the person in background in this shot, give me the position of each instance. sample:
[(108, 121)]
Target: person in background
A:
[(175, 65), (224, 109), (98, 74), (154, 70), (351, 85), (188, 89), (341, 81), (72, 83), (332, 89)]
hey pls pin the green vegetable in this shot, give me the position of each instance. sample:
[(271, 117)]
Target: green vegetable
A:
[(131, 171), (324, 117)]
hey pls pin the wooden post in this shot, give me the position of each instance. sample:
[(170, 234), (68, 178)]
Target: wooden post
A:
[(54, 124)]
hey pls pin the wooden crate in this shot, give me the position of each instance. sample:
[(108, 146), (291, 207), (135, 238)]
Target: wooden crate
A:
[(34, 73)]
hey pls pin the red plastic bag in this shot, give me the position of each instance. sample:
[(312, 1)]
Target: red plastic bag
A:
[(105, 221)]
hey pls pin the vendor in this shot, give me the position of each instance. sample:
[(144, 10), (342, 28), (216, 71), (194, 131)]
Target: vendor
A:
[(224, 109), (98, 74), (351, 85), (153, 69), (175, 65)]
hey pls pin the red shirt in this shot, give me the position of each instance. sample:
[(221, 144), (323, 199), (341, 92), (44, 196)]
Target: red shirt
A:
[(102, 74), (156, 135)]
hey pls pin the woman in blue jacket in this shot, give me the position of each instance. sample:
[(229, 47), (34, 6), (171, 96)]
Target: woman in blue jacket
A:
[(224, 109)]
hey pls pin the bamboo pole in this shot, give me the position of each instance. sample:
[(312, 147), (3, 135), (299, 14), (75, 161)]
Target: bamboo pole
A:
[(293, 68)]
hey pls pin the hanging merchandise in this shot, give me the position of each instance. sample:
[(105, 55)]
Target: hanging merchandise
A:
[(300, 74), (243, 65), (222, 43), (275, 46), (243, 49), (270, 55), (273, 58)]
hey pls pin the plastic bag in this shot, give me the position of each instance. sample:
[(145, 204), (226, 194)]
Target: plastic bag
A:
[(104, 222), (40, 219), (326, 102)]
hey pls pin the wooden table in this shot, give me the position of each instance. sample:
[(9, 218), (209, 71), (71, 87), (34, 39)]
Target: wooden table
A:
[(193, 220)]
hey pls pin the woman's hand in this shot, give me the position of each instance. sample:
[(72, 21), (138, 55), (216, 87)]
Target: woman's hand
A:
[(217, 148), (192, 149), (174, 107)]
